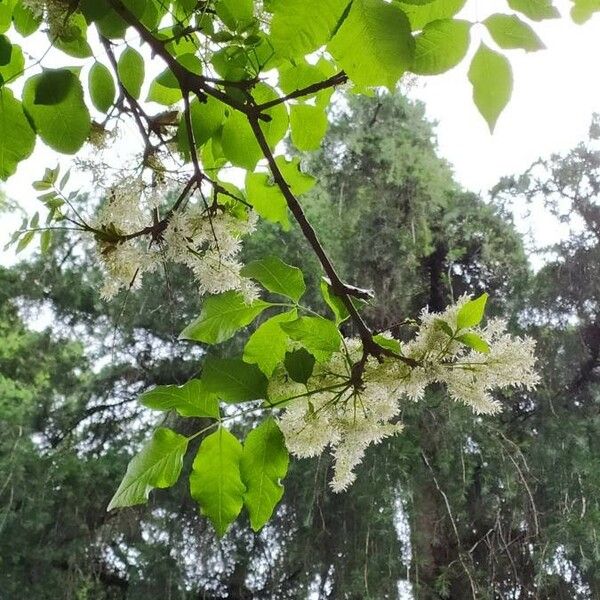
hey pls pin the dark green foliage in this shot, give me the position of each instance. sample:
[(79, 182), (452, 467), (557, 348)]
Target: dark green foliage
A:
[(495, 504)]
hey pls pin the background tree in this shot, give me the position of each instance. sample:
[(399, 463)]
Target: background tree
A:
[(238, 77), (468, 494)]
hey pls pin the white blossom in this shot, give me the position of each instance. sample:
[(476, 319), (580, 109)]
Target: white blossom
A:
[(208, 242), (205, 240), (334, 409), (470, 375), (334, 412)]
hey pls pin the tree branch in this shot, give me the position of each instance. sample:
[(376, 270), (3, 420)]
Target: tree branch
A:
[(337, 79), (188, 81), (338, 286), (191, 82)]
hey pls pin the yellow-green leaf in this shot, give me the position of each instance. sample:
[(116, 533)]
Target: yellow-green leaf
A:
[(374, 44), (158, 465), (490, 75), (263, 465), (215, 481)]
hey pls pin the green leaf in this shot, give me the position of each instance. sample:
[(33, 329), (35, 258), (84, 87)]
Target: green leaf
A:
[(490, 75), (441, 46), (93, 10), (25, 240), (388, 343), (212, 154), (508, 31), (165, 89), (5, 50), (221, 316), (25, 20), (109, 24), (15, 66), (6, 10), (189, 400), (72, 39), (158, 465), (238, 140), (216, 482), (263, 464), (53, 86), (582, 10), (102, 87), (63, 126), (45, 240), (299, 365), (299, 27), (444, 326), (335, 303), (318, 335), (308, 126), (420, 15), (471, 313), (536, 10), (235, 13), (301, 74), (474, 341), (207, 118), (233, 380), (230, 62), (277, 127), (17, 139), (299, 182), (130, 69), (386, 44), (239, 144), (277, 277), (266, 347), (267, 199)]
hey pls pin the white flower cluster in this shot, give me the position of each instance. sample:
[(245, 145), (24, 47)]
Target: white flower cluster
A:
[(468, 374), (204, 239), (208, 243), (331, 411)]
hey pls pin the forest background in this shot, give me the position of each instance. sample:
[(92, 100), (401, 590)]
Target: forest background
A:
[(505, 505)]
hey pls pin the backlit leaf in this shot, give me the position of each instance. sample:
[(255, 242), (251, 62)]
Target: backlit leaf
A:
[(386, 44), (490, 75), (221, 316), (263, 464), (215, 481), (471, 313), (267, 346), (318, 335), (189, 400), (233, 380), (277, 277), (158, 465)]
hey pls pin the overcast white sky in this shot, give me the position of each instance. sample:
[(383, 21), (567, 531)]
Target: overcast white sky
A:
[(555, 93)]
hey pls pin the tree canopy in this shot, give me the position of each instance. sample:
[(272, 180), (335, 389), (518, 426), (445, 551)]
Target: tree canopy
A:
[(343, 293)]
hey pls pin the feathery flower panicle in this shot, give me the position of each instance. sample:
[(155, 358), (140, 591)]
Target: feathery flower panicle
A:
[(331, 411), (124, 262), (470, 374), (334, 410), (207, 241)]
